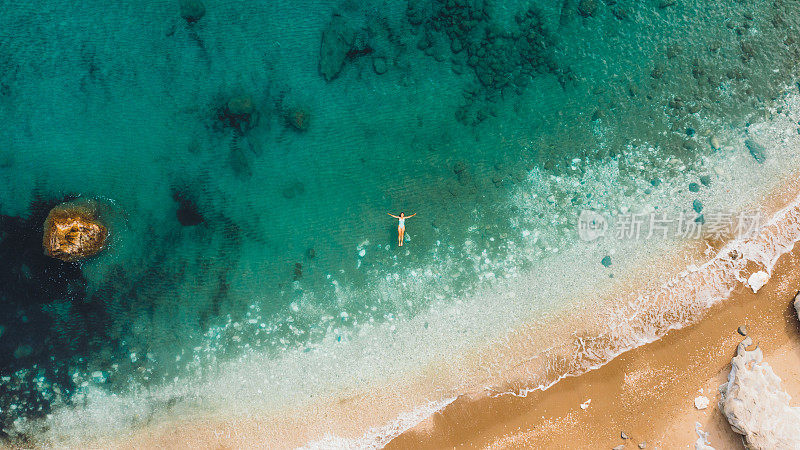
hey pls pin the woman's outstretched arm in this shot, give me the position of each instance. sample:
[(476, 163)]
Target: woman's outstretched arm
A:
[(396, 217)]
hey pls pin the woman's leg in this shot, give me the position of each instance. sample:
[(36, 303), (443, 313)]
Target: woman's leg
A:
[(400, 233)]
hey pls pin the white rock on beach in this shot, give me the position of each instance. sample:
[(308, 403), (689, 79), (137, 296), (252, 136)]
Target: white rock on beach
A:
[(755, 405), (701, 402), (758, 280)]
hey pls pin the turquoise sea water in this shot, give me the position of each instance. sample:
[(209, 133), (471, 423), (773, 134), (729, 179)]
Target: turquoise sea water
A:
[(265, 231)]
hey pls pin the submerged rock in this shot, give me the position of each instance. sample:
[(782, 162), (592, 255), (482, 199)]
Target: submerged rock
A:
[(192, 10), (188, 213), (240, 106), (757, 150), (298, 271), (74, 231), (239, 162), (239, 113), (297, 188), (504, 59), (755, 405), (379, 65), (298, 118), (337, 42), (587, 8)]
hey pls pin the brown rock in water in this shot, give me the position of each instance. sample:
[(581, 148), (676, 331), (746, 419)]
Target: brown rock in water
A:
[(73, 231), (298, 118), (240, 106), (239, 113), (298, 271)]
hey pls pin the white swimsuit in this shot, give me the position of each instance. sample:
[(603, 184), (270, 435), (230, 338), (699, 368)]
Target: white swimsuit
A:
[(402, 223)]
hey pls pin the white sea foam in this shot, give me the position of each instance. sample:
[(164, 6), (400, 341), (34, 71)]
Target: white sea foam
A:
[(378, 437)]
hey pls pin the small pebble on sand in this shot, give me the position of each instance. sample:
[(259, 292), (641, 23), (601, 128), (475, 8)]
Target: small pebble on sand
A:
[(742, 330), (701, 402)]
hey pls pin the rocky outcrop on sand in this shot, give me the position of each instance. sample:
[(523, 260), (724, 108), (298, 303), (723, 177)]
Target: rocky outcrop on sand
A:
[(797, 305), (73, 231), (755, 405)]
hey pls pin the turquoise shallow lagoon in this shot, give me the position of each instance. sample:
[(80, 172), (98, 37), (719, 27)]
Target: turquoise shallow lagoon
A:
[(248, 155)]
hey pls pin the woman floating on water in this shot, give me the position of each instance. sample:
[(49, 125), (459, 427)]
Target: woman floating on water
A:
[(401, 226)]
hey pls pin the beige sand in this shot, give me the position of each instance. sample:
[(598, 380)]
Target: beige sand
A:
[(648, 392)]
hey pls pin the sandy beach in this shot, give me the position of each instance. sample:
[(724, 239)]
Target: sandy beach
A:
[(647, 393)]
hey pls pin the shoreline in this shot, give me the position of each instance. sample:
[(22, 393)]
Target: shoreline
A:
[(647, 392), (485, 419)]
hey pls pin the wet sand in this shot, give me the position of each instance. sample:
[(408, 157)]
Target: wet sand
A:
[(648, 392)]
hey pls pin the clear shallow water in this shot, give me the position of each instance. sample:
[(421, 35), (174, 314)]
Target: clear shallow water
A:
[(497, 147)]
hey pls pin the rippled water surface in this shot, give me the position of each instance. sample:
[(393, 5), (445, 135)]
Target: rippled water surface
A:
[(248, 158)]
